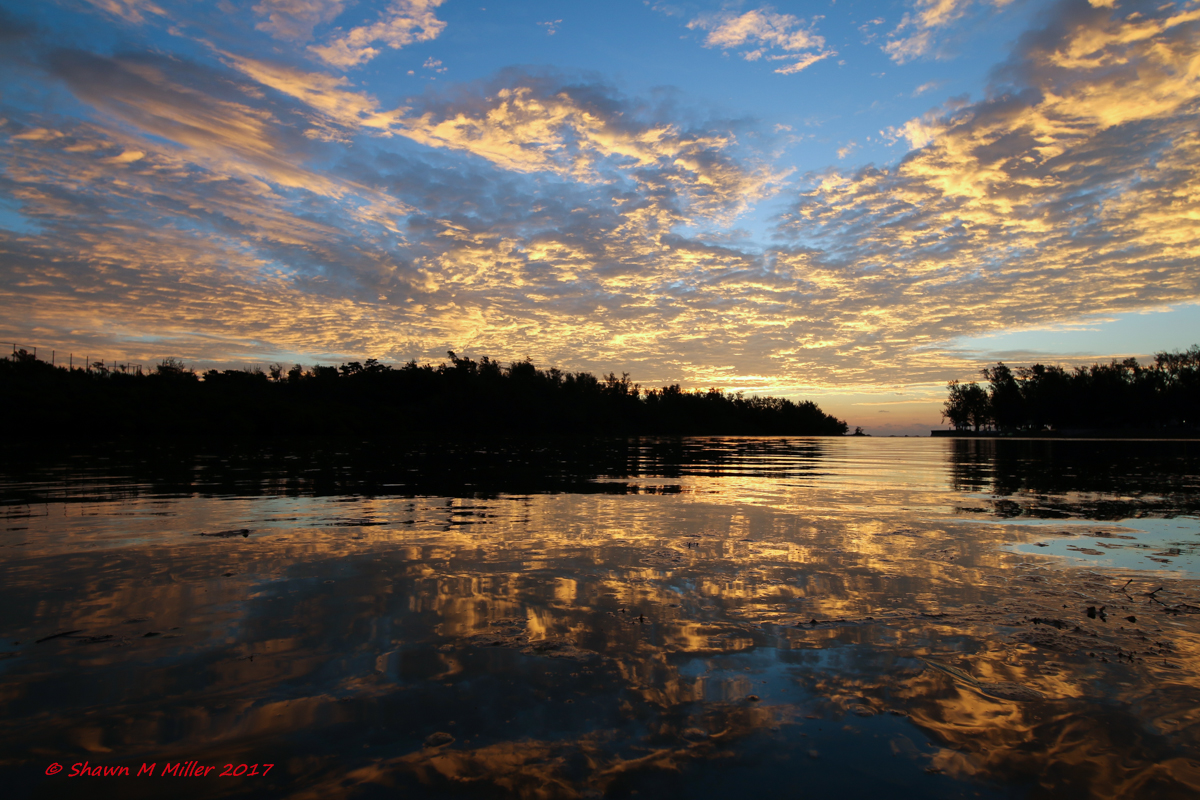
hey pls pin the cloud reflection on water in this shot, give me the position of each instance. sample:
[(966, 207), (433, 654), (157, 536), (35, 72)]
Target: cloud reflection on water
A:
[(363, 616)]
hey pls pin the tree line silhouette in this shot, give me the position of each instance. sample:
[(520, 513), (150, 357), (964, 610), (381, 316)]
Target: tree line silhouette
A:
[(1122, 394), (461, 397)]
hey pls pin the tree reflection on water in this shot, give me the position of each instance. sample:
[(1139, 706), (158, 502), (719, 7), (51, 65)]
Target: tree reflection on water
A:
[(1100, 478)]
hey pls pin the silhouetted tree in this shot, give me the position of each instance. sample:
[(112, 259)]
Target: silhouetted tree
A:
[(967, 406), (175, 370), (1007, 410), (1120, 394), (461, 396)]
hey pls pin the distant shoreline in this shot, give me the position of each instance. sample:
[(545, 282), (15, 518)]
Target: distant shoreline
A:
[(1098, 433), (461, 399)]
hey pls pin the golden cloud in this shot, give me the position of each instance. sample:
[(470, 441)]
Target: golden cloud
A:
[(294, 20), (403, 23), (914, 36), (544, 218), (765, 32)]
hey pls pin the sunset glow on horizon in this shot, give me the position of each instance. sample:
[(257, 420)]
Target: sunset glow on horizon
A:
[(850, 202)]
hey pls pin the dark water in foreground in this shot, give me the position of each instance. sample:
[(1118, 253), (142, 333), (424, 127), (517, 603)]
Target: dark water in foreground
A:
[(700, 618)]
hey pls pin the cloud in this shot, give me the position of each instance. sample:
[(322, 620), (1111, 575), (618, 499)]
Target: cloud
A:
[(1070, 189), (189, 215), (551, 27), (760, 26), (539, 124), (294, 20), (246, 208), (765, 33), (131, 11), (169, 99), (327, 94), (869, 31), (150, 243), (914, 36), (210, 266), (533, 124), (404, 22), (804, 62)]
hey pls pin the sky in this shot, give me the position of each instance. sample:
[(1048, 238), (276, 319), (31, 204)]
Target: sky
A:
[(851, 202)]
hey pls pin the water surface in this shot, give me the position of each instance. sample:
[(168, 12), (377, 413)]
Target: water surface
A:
[(672, 618)]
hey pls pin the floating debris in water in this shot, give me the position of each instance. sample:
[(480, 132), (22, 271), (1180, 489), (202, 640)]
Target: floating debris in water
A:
[(661, 558), (513, 634), (96, 639)]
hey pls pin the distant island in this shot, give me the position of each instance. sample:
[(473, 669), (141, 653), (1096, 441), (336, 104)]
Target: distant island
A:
[(1122, 395), (370, 399)]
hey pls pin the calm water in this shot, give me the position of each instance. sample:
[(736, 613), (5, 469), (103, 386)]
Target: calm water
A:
[(678, 618)]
